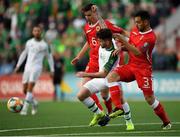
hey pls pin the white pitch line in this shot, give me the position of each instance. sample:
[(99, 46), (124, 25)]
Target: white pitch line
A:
[(109, 133), (80, 126)]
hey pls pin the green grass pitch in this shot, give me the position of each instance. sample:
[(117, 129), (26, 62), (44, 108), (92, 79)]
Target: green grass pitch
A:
[(72, 119)]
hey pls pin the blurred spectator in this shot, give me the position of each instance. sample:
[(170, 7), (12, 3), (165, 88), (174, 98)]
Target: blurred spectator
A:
[(164, 59), (51, 34), (59, 71), (63, 24)]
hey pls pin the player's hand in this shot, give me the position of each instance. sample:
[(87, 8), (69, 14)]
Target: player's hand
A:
[(75, 60), (51, 74), (116, 52), (119, 37), (94, 8), (16, 70), (81, 74)]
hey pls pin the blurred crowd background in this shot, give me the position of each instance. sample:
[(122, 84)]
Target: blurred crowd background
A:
[(62, 24)]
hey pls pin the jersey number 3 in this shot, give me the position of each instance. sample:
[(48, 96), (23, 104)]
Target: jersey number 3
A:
[(146, 82)]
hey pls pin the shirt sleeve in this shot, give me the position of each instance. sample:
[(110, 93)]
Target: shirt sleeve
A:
[(110, 63), (50, 59), (113, 28), (23, 56), (114, 43), (84, 32)]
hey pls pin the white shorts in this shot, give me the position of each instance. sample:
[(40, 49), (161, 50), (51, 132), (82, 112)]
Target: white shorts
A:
[(96, 85), (31, 76)]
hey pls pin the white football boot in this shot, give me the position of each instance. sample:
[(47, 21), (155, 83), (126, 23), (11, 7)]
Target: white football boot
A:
[(25, 108), (34, 107)]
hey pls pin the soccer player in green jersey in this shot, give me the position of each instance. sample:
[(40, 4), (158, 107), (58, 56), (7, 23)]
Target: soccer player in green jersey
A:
[(107, 61)]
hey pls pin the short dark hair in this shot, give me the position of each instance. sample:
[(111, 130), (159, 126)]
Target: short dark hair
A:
[(143, 14), (37, 26), (87, 7), (104, 34)]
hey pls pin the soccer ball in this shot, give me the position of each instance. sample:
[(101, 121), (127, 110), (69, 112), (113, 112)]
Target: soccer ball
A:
[(15, 104)]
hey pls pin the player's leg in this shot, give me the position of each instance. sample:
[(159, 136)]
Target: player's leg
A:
[(28, 98), (113, 78), (159, 111), (117, 97), (145, 83), (25, 86), (84, 94), (127, 115), (35, 74), (32, 100), (93, 96), (121, 74), (25, 79), (107, 100)]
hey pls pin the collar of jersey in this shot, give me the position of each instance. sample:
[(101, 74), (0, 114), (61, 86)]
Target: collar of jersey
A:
[(91, 26), (111, 48), (145, 32), (37, 40)]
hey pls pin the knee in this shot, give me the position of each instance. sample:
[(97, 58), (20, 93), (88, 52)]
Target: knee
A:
[(105, 97), (24, 91), (79, 96), (83, 94), (105, 94), (150, 99), (113, 77)]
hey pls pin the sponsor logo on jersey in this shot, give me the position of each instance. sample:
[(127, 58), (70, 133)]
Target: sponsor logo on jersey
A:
[(88, 31), (98, 28), (134, 33)]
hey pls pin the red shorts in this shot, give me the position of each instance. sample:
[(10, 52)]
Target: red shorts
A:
[(92, 67), (143, 77)]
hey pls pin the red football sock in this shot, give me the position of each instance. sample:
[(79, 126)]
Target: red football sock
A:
[(159, 110), (108, 104), (116, 95), (95, 98)]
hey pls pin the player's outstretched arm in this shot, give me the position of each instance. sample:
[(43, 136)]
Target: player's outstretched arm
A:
[(128, 46), (50, 59), (51, 63), (21, 60), (16, 69), (125, 33), (101, 74), (80, 54)]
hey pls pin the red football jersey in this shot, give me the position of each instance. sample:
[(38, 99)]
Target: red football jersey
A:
[(90, 32), (145, 42)]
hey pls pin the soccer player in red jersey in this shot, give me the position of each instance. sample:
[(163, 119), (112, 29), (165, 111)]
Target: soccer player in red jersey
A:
[(139, 68), (92, 26)]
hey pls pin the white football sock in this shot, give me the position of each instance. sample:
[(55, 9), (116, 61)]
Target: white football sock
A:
[(89, 102), (34, 102), (155, 104), (28, 100), (25, 106), (29, 97), (127, 112)]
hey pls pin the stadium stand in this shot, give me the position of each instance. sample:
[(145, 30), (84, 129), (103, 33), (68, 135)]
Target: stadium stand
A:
[(62, 24)]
